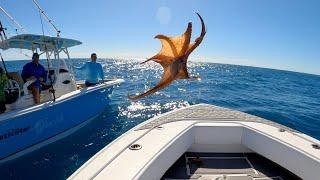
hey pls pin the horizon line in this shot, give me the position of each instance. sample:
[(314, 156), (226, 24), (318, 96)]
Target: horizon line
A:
[(204, 60)]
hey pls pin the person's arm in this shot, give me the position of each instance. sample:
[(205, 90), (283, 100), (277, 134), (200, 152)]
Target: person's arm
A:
[(25, 73), (80, 68)]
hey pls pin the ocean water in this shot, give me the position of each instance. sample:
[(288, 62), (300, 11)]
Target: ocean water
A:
[(289, 98)]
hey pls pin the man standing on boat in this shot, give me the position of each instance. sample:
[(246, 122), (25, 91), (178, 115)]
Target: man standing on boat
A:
[(34, 71), (93, 71)]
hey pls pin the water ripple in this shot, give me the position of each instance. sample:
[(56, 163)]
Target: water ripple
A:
[(289, 98)]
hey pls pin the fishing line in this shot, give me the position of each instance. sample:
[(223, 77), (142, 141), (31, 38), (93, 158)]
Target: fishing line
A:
[(15, 26), (42, 13), (13, 20), (52, 90)]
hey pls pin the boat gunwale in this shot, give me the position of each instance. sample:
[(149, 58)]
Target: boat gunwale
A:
[(83, 166), (263, 121), (236, 121), (19, 112)]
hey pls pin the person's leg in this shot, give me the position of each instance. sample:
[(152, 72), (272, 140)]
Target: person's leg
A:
[(2, 107), (36, 94), (88, 84)]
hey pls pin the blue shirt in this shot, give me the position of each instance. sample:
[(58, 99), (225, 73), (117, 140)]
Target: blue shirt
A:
[(32, 69), (93, 71)]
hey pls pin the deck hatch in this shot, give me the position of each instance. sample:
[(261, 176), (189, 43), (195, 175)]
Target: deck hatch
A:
[(219, 165)]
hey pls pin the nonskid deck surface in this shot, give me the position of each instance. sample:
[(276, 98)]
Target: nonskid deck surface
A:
[(205, 112), (242, 166)]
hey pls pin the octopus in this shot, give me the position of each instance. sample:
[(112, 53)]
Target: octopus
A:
[(173, 58)]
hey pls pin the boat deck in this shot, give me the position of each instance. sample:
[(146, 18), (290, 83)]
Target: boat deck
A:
[(208, 113), (157, 149), (241, 166)]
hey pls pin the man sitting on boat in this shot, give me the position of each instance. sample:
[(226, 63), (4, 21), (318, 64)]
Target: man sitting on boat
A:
[(93, 71), (34, 71)]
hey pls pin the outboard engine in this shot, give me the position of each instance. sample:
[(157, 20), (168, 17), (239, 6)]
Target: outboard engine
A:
[(12, 91)]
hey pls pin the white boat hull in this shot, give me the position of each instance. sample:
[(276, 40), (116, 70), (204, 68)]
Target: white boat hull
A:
[(201, 129)]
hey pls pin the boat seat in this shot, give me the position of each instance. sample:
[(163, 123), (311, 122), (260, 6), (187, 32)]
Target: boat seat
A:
[(17, 77)]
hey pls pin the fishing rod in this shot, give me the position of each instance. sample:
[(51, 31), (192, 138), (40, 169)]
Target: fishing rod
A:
[(47, 17), (3, 38), (4, 65), (2, 32), (13, 20), (52, 90)]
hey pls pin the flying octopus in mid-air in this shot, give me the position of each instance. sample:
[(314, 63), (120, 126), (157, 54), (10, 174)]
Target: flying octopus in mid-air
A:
[(173, 58)]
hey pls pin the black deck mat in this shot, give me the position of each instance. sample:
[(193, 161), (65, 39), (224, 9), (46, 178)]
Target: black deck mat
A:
[(226, 163)]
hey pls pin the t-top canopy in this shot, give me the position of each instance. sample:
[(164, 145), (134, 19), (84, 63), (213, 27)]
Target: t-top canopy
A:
[(33, 41)]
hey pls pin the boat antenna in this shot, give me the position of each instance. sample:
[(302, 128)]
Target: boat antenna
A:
[(13, 20), (42, 13)]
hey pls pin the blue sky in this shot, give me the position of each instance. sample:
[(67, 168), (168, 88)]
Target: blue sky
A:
[(280, 34)]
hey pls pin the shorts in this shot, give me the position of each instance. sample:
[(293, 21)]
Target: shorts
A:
[(35, 84)]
